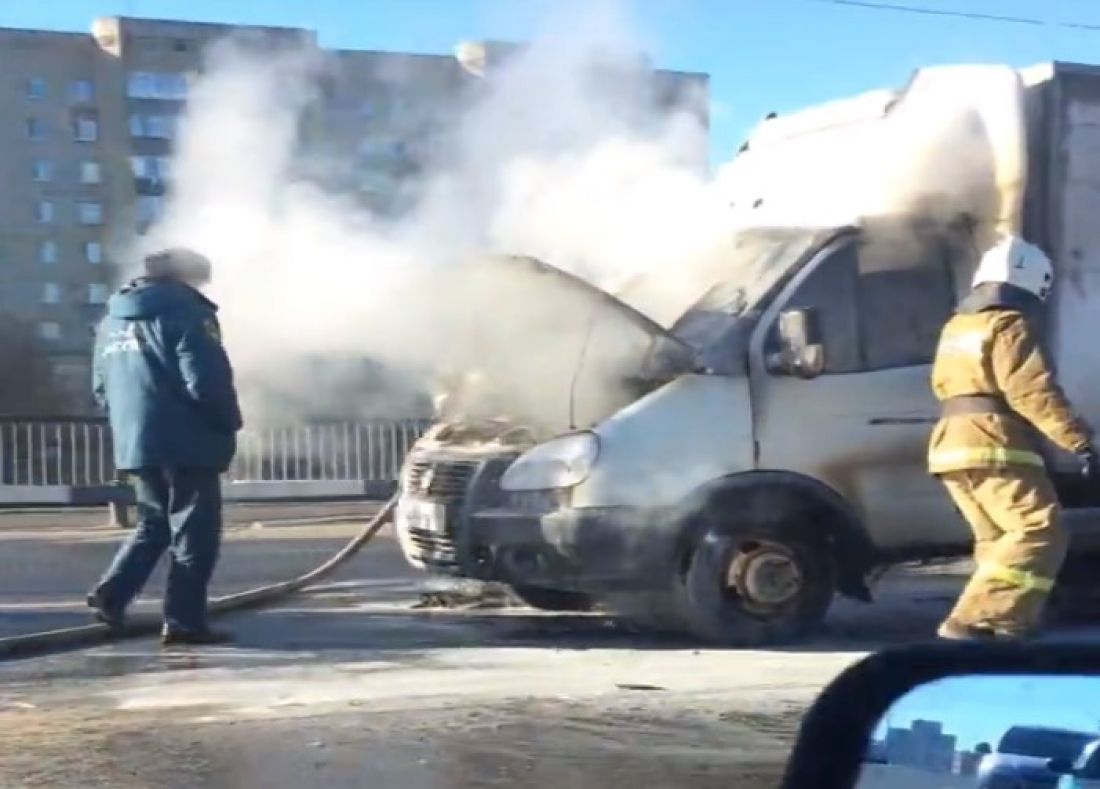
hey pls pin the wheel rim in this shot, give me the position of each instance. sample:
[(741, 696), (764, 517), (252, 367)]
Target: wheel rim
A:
[(764, 577)]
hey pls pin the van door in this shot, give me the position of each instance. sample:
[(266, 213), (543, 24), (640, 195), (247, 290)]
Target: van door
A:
[(862, 425)]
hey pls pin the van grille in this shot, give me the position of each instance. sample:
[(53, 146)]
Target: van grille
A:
[(445, 481), (434, 550)]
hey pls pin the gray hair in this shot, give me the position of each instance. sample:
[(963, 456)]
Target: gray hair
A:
[(179, 263)]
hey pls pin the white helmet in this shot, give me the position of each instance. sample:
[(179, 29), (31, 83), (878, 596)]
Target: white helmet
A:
[(1013, 261)]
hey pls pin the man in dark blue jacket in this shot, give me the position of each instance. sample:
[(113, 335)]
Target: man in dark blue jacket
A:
[(163, 376)]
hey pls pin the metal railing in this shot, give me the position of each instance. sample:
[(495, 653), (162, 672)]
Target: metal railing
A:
[(40, 452), (77, 453), (369, 451)]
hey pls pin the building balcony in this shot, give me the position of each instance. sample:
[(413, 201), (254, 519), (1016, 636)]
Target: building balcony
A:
[(154, 187)]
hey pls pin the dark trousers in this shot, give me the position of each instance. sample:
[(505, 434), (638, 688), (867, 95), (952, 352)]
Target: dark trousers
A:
[(179, 511)]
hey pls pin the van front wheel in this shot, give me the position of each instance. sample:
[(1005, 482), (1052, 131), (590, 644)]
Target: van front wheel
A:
[(751, 586)]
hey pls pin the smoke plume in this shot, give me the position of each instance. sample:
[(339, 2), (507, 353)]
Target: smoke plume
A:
[(329, 309), (557, 152)]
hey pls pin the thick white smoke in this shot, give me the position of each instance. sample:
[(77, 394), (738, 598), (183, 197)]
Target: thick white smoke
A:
[(952, 143), (558, 154)]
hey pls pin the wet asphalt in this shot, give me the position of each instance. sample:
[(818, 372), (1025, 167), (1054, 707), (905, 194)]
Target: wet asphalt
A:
[(49, 559), (352, 685)]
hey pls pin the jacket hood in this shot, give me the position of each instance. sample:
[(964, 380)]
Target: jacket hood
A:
[(999, 296), (149, 297)]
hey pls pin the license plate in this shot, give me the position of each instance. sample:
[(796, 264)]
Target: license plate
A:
[(424, 516)]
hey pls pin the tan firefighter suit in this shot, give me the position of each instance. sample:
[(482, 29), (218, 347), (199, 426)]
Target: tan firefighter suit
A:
[(996, 388)]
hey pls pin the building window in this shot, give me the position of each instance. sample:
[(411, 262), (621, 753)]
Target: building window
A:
[(36, 88), (85, 128), (93, 252), (81, 91), (154, 168), (36, 130), (156, 85), (89, 212), (49, 331), (44, 211), (90, 172), (141, 85), (161, 127), (148, 208), (43, 170), (47, 252), (51, 293), (97, 293)]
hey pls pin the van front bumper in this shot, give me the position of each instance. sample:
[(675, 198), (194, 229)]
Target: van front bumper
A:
[(584, 550)]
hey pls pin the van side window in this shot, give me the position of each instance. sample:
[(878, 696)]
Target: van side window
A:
[(831, 289), (881, 303), (906, 295)]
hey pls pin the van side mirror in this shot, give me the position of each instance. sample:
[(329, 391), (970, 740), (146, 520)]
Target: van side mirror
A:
[(801, 351)]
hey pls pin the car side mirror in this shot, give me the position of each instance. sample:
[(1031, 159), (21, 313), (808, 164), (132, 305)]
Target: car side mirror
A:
[(801, 350), (1060, 766), (926, 715)]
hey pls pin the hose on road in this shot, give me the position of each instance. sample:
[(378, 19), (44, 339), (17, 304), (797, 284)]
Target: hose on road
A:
[(87, 635)]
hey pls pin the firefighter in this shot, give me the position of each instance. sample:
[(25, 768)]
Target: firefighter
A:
[(997, 390), (167, 385)]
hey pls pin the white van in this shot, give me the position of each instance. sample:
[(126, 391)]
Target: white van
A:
[(767, 446)]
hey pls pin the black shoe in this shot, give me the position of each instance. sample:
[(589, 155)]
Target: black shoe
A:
[(171, 638), (114, 618)]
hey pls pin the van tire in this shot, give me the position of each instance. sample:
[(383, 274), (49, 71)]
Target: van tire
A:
[(752, 585), (553, 599)]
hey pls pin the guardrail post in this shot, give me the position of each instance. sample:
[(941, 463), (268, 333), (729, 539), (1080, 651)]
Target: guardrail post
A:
[(119, 508), (119, 513)]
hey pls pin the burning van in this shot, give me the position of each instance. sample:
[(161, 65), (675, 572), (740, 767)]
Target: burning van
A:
[(757, 444)]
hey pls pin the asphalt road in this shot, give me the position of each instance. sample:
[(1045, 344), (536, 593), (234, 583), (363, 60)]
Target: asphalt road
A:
[(352, 685), (49, 559)]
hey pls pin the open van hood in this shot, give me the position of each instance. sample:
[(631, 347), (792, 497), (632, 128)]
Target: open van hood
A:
[(557, 353)]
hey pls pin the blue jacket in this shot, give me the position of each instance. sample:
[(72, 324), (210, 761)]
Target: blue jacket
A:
[(165, 380)]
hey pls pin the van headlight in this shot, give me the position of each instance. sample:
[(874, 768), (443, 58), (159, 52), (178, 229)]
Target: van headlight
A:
[(560, 463)]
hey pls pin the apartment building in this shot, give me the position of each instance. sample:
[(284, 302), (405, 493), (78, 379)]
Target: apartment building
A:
[(87, 128), (381, 111), (924, 745), (53, 210)]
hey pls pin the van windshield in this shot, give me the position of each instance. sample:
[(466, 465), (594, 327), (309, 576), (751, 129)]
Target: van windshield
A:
[(755, 263), (738, 273)]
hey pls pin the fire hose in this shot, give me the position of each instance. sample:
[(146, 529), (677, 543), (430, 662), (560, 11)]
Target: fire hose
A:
[(87, 635)]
